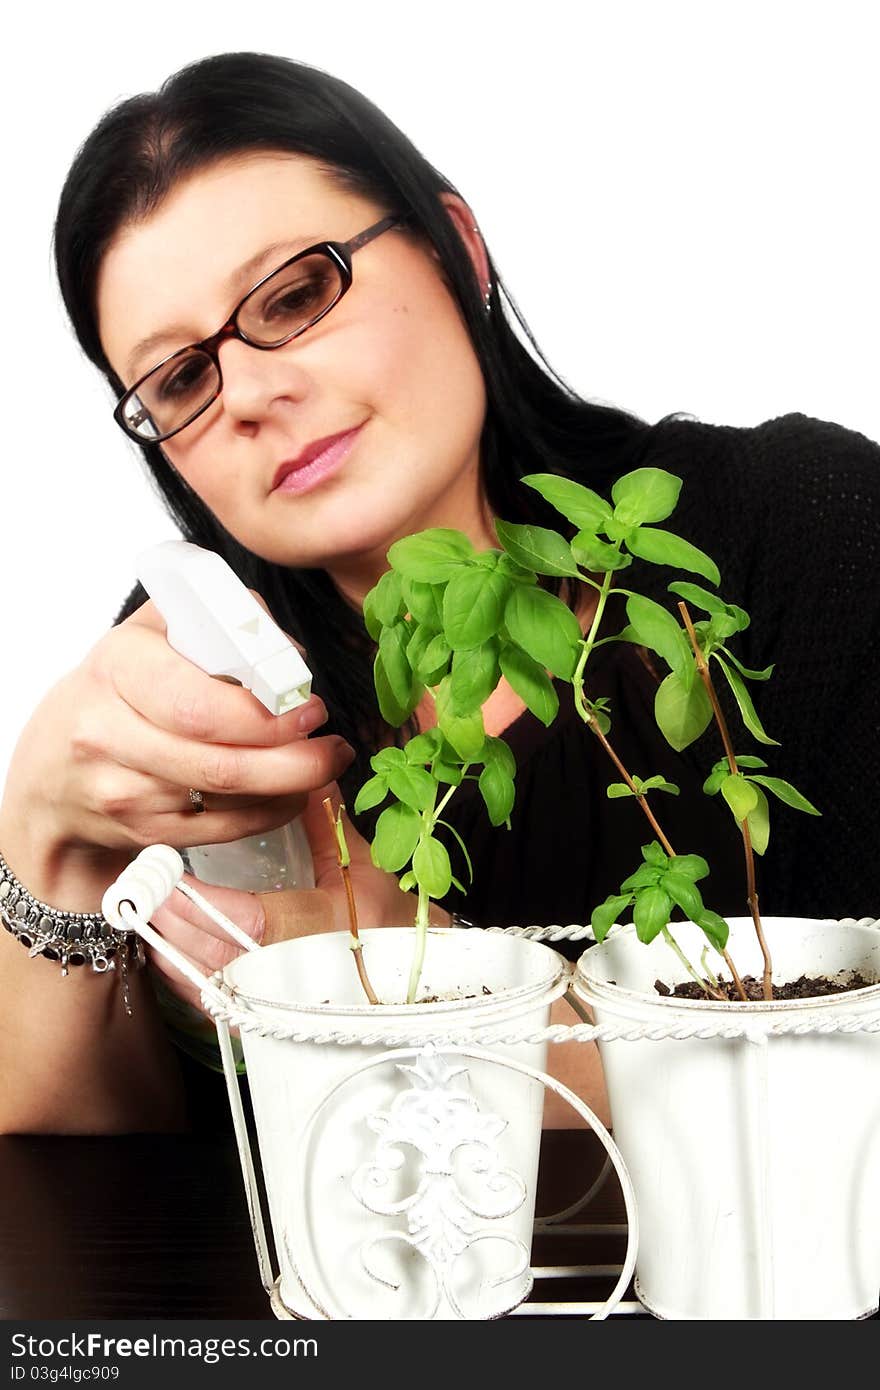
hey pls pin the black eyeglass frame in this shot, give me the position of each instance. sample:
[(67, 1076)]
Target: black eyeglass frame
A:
[(339, 252)]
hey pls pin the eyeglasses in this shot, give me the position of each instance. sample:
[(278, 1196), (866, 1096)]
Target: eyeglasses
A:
[(277, 309)]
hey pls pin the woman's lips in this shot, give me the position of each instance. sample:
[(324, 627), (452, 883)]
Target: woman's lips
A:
[(320, 460)]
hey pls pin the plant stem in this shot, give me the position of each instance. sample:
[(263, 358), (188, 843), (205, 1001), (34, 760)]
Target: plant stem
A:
[(640, 796), (356, 943), (751, 888), (418, 960), (590, 720), (694, 974), (734, 974)]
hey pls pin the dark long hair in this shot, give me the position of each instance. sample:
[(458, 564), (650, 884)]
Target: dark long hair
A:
[(237, 102)]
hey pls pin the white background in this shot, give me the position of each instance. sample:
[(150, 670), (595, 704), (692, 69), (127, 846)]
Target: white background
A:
[(683, 198)]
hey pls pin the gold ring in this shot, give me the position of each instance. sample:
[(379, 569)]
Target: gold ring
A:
[(197, 801)]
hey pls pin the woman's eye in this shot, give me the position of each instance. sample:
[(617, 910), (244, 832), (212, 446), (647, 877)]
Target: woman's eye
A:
[(298, 300), (184, 380)]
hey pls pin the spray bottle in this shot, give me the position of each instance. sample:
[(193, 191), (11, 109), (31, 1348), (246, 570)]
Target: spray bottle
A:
[(214, 621)]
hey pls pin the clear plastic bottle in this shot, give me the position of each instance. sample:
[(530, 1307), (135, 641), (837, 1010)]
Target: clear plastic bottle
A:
[(258, 864)]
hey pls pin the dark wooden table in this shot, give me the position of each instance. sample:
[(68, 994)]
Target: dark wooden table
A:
[(155, 1226)]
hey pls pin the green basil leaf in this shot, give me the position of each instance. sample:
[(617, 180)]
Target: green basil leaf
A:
[(473, 605), (420, 600), (601, 718), (407, 882), (684, 893), (746, 760), (397, 834), (497, 790), (654, 627), (744, 670), (597, 556), (420, 639), (701, 598), (579, 505), (659, 784), (475, 674), (722, 626), (740, 795), (682, 714), (374, 790), (651, 913), (531, 683), (392, 710), (423, 747), (645, 495), (655, 854), (435, 658), (508, 566), (371, 622), (386, 758), (663, 548), (692, 866), (387, 599), (712, 784), (617, 530), (714, 927), (645, 876), (431, 556), (744, 700), (465, 733), (488, 559), (787, 793), (392, 649), (536, 548), (615, 790), (414, 786), (447, 772), (495, 750), (544, 627), (606, 914), (758, 822), (432, 868)]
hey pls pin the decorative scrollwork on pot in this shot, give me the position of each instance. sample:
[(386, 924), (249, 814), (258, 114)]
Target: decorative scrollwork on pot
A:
[(460, 1182)]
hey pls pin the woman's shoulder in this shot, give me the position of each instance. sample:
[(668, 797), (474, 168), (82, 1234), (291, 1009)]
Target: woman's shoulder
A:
[(822, 458), (782, 487)]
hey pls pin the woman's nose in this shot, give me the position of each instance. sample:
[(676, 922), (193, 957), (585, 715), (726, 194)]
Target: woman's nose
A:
[(254, 378)]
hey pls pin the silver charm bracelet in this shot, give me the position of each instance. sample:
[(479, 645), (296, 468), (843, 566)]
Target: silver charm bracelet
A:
[(73, 938)]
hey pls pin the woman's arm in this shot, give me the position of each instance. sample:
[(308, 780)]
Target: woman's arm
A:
[(102, 769)]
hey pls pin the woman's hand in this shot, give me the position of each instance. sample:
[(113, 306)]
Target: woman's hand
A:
[(271, 917), (105, 765)]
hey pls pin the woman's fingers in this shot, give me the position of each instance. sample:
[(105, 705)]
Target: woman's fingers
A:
[(120, 736), (175, 695), (186, 926)]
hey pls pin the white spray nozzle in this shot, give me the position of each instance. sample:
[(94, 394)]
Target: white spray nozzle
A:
[(215, 621)]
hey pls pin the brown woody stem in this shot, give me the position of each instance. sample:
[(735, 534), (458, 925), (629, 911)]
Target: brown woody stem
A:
[(357, 945), (751, 887), (655, 826), (640, 796)]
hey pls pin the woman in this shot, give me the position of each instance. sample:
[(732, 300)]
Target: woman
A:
[(406, 402)]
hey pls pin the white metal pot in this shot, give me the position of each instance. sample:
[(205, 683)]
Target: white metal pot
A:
[(399, 1186), (756, 1162)]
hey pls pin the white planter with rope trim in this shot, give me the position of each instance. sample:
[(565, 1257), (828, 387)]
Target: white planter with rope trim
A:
[(400, 1184), (755, 1159)]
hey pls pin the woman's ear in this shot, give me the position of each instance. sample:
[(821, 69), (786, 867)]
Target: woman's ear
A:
[(466, 225)]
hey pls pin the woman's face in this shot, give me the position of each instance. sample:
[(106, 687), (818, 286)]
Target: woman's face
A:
[(392, 362)]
